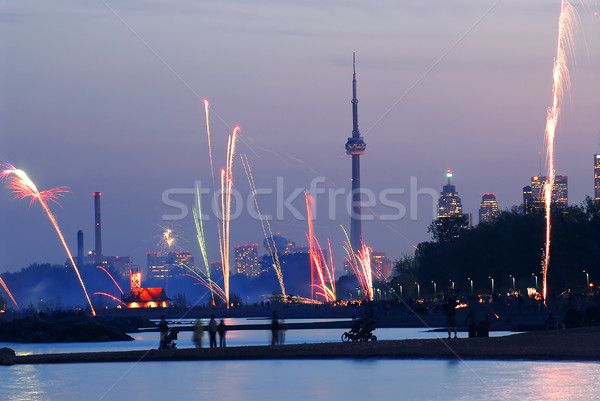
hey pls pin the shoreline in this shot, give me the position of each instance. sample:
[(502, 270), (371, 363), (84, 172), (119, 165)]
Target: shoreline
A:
[(581, 344)]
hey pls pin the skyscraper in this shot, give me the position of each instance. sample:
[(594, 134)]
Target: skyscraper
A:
[(597, 177), (527, 200), (488, 208), (246, 260), (559, 196), (355, 146), (449, 203), (168, 264)]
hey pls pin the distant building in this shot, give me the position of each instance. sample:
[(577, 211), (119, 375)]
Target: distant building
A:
[(140, 297), (216, 268), (168, 264), (246, 260), (278, 243), (449, 203), (488, 208), (559, 196), (597, 177), (450, 206), (527, 200), (381, 265)]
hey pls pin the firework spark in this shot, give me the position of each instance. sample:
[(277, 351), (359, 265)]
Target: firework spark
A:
[(226, 187), (206, 112), (111, 297), (326, 278), (201, 239), (9, 294), (24, 188), (269, 239), (360, 262), (561, 82), (112, 278)]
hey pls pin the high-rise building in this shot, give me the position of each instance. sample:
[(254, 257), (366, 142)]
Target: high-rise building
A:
[(559, 196), (527, 200), (488, 208), (597, 177), (355, 146), (280, 244), (168, 264), (381, 265), (449, 203), (246, 260)]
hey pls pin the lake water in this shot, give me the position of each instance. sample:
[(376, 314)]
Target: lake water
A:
[(304, 380), (345, 379)]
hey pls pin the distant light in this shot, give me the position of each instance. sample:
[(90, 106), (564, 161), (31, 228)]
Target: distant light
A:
[(449, 173)]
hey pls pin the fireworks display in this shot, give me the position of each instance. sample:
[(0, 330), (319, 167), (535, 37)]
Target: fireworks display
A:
[(360, 262), (226, 186), (561, 81), (9, 294), (201, 240), (269, 239), (24, 188), (112, 278), (325, 286), (111, 297)]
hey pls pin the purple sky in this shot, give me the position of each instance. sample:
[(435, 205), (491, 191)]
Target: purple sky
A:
[(86, 104)]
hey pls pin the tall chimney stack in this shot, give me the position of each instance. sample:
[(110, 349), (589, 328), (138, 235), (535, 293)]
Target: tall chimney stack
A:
[(98, 226), (79, 248)]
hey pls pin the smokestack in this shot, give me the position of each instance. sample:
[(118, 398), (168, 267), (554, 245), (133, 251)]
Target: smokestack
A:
[(98, 227), (79, 248)]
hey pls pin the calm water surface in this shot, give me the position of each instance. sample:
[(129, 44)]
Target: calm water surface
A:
[(304, 380)]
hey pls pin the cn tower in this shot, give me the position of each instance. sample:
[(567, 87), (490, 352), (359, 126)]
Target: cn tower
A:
[(355, 147)]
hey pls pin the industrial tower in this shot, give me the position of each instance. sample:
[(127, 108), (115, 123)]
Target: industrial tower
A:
[(355, 146)]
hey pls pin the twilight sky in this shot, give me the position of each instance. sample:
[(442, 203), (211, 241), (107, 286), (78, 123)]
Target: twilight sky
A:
[(107, 96)]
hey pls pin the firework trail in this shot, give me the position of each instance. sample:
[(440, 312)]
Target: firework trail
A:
[(23, 187), (112, 278), (168, 238), (226, 186), (212, 170), (269, 239), (325, 274), (201, 240), (560, 82), (111, 296), (9, 294), (210, 285), (360, 261)]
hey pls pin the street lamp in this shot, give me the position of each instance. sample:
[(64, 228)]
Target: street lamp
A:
[(587, 279), (471, 282), (434, 288), (418, 290), (400, 288), (513, 281), (492, 284), (533, 274)]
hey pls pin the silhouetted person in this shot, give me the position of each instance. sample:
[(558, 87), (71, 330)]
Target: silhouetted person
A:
[(483, 329), (450, 309), (212, 331), (222, 330), (471, 324), (274, 329), (282, 330), (164, 330), (198, 333), (572, 317)]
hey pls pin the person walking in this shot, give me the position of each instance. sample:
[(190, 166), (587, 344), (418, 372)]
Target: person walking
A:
[(450, 309), (274, 329), (164, 331), (222, 330), (198, 333), (212, 331)]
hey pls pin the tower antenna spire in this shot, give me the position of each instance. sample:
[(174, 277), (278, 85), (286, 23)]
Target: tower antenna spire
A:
[(355, 147)]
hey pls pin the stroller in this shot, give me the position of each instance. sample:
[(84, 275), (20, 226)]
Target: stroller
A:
[(168, 342), (362, 330)]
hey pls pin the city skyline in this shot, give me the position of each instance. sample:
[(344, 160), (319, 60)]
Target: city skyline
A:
[(99, 112)]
